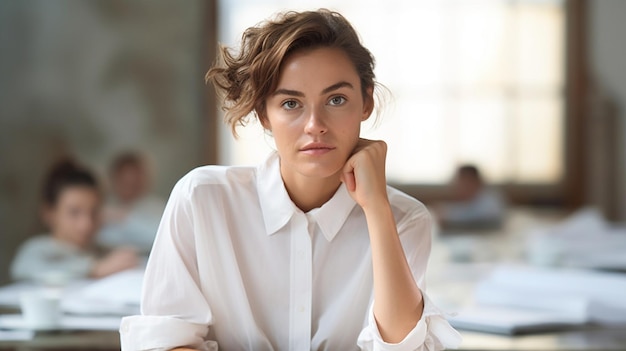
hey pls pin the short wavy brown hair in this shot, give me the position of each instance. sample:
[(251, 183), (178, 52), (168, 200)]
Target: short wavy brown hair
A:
[(247, 77)]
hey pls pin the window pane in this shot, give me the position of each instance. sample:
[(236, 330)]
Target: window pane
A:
[(539, 136), (539, 52), (477, 43), (481, 135), (415, 131), (476, 81)]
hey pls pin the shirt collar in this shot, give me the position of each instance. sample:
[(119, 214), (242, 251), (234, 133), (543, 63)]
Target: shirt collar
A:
[(275, 202), (334, 213), (277, 207)]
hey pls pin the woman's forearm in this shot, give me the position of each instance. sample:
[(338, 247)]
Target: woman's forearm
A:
[(398, 302)]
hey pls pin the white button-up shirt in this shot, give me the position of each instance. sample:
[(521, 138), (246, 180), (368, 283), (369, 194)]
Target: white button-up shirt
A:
[(236, 264)]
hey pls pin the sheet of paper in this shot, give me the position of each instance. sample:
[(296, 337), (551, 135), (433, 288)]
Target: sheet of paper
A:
[(594, 285), (584, 240), (503, 320), (10, 294), (68, 322), (16, 335), (594, 296), (119, 294), (123, 288)]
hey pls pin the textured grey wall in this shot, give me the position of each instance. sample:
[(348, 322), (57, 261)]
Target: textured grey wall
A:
[(92, 78), (607, 56)]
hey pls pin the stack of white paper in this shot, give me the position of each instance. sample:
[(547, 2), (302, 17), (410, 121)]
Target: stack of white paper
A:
[(584, 240), (516, 299), (87, 305), (511, 321), (119, 294)]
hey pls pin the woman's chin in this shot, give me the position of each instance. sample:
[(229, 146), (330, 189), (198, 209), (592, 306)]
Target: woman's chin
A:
[(323, 173), (318, 169)]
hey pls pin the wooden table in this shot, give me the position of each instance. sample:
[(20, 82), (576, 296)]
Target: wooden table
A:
[(67, 341), (64, 341)]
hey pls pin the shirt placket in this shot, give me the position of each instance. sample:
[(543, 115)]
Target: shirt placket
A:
[(301, 284)]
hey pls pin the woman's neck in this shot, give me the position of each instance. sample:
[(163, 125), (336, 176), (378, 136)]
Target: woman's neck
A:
[(308, 193)]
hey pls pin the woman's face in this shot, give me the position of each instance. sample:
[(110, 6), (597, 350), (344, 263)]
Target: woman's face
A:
[(316, 112), (75, 216)]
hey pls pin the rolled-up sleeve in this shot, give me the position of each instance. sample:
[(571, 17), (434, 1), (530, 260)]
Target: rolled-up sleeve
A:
[(174, 312), (432, 332), (162, 333)]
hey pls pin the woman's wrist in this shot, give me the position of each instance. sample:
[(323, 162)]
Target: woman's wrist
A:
[(377, 207)]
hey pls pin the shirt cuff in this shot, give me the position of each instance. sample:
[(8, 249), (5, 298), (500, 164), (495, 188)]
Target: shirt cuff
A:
[(161, 333), (432, 332)]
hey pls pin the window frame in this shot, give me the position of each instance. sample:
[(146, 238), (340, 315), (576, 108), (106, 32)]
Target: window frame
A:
[(569, 192)]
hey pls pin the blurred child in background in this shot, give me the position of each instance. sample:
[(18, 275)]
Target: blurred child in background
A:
[(132, 214), (475, 204), (71, 206)]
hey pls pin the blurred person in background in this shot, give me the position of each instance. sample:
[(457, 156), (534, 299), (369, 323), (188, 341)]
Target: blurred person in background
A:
[(474, 204), (71, 211), (131, 214)]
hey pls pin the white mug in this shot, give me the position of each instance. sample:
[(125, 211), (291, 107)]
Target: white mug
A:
[(41, 309)]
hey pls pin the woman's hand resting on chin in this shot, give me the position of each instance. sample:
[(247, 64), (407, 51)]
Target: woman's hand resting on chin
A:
[(364, 173)]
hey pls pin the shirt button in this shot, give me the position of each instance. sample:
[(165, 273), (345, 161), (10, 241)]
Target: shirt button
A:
[(301, 309)]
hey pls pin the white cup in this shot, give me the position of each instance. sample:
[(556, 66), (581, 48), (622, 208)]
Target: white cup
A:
[(41, 309)]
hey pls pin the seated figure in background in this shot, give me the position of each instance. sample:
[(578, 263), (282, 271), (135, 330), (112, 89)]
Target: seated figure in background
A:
[(475, 204), (71, 205), (131, 215)]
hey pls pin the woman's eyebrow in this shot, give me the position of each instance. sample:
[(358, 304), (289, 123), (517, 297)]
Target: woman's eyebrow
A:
[(336, 86), (325, 91), (288, 92)]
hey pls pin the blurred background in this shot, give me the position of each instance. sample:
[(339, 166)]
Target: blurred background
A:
[(531, 92)]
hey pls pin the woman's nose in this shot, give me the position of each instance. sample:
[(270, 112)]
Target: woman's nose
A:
[(315, 123)]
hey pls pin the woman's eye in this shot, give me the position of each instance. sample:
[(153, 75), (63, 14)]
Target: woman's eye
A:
[(337, 100), (290, 105)]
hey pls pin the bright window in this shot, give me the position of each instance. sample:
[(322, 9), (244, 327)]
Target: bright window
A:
[(478, 81)]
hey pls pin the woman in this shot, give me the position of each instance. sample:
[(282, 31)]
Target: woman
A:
[(71, 204), (289, 255)]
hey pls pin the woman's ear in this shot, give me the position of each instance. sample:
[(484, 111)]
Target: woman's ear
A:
[(265, 123), (368, 103)]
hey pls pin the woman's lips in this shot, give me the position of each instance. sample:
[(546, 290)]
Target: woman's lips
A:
[(316, 149)]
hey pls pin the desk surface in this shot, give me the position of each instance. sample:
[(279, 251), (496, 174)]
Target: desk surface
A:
[(591, 338), (597, 339), (68, 341)]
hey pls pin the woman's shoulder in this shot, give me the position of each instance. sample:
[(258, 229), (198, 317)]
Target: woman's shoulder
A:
[(406, 206), (214, 175)]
